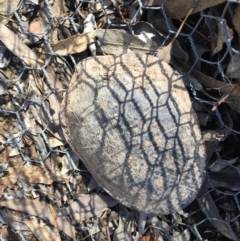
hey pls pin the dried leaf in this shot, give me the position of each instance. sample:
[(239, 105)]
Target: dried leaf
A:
[(16, 46), (236, 19), (158, 21), (104, 221), (35, 27), (184, 236), (233, 70), (142, 219), (7, 8), (220, 39), (5, 57), (35, 174), (55, 98), (197, 76), (89, 23), (32, 207), (43, 231), (165, 53), (54, 142), (179, 9), (144, 28), (93, 184), (152, 236), (65, 224), (152, 2), (96, 6), (113, 41), (7, 181), (14, 152), (209, 208), (123, 231), (89, 205), (220, 164), (13, 221), (3, 86), (227, 178)]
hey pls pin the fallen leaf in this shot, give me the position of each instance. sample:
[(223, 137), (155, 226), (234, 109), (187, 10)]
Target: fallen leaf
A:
[(16, 46), (236, 19), (227, 178), (219, 164), (152, 2), (13, 221), (3, 86), (14, 152), (105, 222), (96, 6), (5, 58), (65, 224), (123, 231), (233, 70), (165, 53), (54, 142), (220, 38), (7, 8), (197, 76), (42, 231), (113, 41), (41, 174), (209, 208), (7, 181), (179, 9), (89, 205), (35, 27), (183, 236), (153, 236), (142, 219), (159, 21), (32, 207)]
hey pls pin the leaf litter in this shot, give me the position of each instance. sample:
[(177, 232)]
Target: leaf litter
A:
[(41, 192)]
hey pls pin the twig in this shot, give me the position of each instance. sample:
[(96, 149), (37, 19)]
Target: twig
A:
[(185, 19), (224, 97)]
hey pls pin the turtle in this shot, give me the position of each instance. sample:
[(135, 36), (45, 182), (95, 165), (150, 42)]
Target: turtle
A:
[(130, 120)]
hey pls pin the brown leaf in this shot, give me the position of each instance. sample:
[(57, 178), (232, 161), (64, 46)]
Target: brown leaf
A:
[(220, 39), (16, 46), (165, 53), (7, 181), (32, 207), (7, 8), (146, 237), (113, 41), (104, 221), (43, 231), (89, 205), (223, 87), (233, 70), (142, 219), (236, 19), (152, 2), (227, 178), (35, 174), (65, 224), (209, 208), (179, 9)]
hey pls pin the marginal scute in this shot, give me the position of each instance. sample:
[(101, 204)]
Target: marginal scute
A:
[(130, 120)]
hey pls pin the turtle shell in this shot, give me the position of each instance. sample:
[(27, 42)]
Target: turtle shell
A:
[(130, 120)]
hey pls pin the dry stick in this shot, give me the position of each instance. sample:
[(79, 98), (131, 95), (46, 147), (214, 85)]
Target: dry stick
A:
[(164, 52), (185, 19), (225, 96), (9, 19)]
